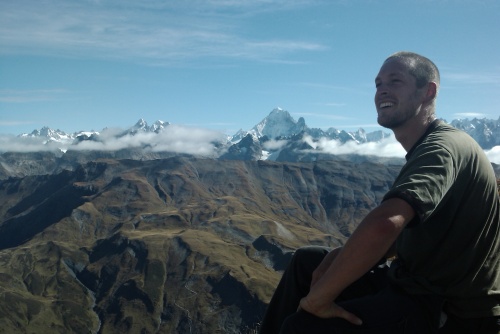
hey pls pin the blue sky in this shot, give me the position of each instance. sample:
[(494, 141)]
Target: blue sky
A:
[(225, 64)]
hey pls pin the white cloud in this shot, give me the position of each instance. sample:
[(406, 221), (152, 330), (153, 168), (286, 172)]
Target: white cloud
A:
[(273, 144), (471, 78), (494, 154), (14, 123), (11, 143), (156, 31), (174, 138), (26, 96), (387, 147)]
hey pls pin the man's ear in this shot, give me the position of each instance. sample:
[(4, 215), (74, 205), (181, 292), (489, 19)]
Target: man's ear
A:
[(431, 92)]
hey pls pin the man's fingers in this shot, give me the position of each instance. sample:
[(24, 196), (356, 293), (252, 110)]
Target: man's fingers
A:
[(353, 319), (330, 311)]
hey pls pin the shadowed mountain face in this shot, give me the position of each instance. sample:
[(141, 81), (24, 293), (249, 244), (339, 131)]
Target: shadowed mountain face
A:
[(177, 245)]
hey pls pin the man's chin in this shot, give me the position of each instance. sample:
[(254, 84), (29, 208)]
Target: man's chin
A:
[(384, 123), (389, 125)]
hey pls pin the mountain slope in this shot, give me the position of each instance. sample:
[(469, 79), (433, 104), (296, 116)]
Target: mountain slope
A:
[(173, 245)]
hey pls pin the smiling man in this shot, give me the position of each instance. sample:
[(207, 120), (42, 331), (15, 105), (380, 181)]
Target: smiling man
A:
[(439, 222)]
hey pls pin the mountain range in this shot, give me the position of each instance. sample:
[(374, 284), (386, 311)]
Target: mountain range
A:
[(278, 124), (277, 137), (101, 237)]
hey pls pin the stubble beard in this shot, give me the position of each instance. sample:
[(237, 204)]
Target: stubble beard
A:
[(395, 120)]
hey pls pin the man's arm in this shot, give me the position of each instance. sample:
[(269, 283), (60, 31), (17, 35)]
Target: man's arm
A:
[(369, 243), (324, 265)]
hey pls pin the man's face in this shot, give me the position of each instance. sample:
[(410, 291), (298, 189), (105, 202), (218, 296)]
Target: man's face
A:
[(397, 98)]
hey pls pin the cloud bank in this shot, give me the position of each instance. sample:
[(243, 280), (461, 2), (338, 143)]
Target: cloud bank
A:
[(199, 142), (494, 155), (174, 138), (387, 147)]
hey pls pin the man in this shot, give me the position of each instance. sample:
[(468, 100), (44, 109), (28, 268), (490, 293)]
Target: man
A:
[(441, 219)]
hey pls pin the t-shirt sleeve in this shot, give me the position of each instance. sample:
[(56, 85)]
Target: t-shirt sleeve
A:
[(424, 180)]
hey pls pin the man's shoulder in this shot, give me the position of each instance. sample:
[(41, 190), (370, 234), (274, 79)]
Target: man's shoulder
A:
[(448, 146), (442, 127), (448, 136)]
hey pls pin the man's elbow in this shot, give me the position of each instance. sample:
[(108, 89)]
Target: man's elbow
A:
[(390, 218), (387, 228)]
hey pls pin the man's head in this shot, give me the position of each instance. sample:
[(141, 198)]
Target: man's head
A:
[(407, 86), (420, 67)]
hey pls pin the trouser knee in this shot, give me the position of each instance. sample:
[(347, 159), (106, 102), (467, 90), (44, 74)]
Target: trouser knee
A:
[(306, 259)]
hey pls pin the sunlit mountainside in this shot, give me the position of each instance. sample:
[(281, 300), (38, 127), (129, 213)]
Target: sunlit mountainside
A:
[(176, 245)]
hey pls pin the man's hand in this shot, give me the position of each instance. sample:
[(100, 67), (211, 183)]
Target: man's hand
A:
[(329, 310)]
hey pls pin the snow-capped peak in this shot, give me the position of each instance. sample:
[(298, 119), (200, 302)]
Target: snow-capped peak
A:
[(158, 126), (49, 135), (279, 123), (140, 126)]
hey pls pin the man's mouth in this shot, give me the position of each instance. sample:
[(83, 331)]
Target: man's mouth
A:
[(386, 105)]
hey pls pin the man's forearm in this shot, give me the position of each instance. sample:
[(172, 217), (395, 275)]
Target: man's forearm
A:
[(324, 265)]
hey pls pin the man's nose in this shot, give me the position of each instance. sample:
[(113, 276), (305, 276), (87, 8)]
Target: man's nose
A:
[(381, 89)]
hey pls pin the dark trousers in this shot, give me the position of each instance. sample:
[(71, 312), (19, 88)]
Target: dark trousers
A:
[(454, 325), (383, 308)]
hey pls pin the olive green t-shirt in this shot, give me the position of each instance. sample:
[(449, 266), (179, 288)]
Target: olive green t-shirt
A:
[(452, 246)]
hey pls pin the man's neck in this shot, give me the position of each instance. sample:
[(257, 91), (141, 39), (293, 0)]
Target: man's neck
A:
[(410, 132)]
